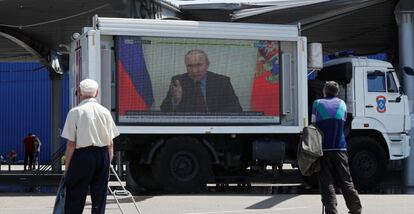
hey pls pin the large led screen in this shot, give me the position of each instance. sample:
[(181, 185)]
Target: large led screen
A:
[(197, 81)]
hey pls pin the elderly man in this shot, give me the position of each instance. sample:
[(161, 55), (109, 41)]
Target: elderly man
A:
[(200, 90), (89, 129)]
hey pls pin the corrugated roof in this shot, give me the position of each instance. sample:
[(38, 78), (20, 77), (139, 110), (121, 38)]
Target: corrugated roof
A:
[(53, 22), (366, 26)]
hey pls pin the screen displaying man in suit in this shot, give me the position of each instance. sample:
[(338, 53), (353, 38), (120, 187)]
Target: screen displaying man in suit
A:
[(200, 90)]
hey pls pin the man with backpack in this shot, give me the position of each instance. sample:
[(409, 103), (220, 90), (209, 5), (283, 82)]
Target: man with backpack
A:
[(329, 115)]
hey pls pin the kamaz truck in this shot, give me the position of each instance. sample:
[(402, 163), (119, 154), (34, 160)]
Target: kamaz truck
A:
[(266, 68)]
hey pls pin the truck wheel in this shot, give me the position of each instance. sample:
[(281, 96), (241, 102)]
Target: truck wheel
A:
[(142, 175), (182, 165), (367, 161)]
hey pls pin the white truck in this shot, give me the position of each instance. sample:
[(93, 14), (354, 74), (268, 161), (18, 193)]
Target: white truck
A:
[(256, 107)]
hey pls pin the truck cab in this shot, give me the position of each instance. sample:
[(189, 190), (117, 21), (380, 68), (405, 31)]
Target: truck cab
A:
[(378, 115)]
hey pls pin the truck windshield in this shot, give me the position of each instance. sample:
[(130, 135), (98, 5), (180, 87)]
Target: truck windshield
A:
[(391, 85)]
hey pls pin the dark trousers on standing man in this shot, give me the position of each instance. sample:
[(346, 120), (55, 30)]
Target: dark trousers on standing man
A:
[(28, 160), (88, 169), (335, 170)]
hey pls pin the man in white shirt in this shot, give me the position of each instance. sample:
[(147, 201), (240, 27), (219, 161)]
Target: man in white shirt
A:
[(89, 129)]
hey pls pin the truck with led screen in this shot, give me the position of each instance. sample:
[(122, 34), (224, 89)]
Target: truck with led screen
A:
[(198, 101)]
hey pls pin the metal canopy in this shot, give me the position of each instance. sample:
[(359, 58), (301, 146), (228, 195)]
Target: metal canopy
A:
[(48, 22), (52, 22), (366, 26)]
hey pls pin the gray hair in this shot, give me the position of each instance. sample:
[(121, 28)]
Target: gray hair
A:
[(198, 51), (88, 94)]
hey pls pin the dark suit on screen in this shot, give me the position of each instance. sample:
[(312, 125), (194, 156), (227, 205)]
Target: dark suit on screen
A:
[(220, 95)]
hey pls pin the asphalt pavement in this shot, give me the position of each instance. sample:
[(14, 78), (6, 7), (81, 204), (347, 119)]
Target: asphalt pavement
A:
[(215, 204), (279, 197)]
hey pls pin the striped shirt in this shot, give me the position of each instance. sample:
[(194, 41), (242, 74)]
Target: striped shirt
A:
[(329, 115)]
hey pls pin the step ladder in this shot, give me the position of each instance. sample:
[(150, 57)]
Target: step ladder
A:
[(124, 193)]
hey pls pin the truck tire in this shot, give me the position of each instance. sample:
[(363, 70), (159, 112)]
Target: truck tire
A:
[(142, 175), (367, 161), (182, 165)]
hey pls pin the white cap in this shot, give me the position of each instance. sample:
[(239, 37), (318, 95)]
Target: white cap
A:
[(88, 86)]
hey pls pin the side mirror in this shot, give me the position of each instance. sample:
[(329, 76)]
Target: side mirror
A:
[(401, 90), (398, 99), (408, 70)]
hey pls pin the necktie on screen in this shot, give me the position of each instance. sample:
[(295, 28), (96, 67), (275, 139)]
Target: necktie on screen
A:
[(200, 104)]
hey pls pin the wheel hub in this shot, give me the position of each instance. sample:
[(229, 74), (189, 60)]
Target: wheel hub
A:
[(184, 166), (365, 164)]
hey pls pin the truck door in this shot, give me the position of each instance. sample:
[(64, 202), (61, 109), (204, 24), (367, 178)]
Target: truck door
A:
[(381, 99)]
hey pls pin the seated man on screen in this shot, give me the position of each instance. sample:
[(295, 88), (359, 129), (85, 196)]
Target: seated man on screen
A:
[(200, 90)]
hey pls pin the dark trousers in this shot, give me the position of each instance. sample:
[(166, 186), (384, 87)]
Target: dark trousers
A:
[(35, 159), (89, 168), (28, 159), (335, 170)]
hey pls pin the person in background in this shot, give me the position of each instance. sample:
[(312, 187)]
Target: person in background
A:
[(28, 142), (329, 115), (36, 151), (200, 90), (12, 156), (89, 130)]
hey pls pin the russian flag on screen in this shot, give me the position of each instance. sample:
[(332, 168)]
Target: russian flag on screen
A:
[(134, 83)]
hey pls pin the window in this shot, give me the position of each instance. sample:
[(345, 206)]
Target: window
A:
[(391, 86), (376, 81)]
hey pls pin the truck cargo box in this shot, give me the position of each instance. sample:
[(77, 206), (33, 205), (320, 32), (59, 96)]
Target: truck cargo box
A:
[(252, 77)]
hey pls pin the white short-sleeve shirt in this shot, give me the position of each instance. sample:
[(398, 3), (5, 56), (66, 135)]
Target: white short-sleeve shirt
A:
[(90, 124)]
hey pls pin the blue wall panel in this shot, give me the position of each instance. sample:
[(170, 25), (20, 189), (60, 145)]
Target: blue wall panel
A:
[(26, 106)]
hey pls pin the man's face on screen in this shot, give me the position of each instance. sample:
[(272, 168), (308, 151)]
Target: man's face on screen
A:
[(197, 66)]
